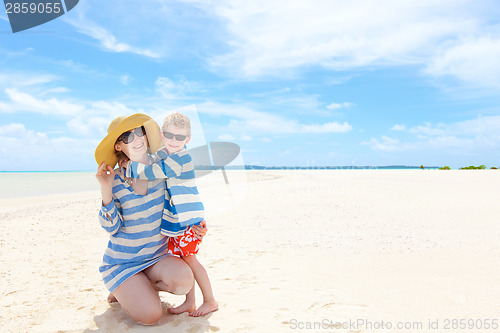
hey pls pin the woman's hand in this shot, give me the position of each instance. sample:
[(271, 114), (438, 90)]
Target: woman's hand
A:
[(105, 175), (201, 230)]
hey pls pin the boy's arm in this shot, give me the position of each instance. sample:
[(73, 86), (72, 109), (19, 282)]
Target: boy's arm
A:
[(168, 167)]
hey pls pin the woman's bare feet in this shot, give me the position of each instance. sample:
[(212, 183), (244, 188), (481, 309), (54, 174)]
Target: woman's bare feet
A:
[(205, 308), (187, 306)]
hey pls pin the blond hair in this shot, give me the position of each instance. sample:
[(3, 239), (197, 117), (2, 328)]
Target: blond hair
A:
[(178, 120)]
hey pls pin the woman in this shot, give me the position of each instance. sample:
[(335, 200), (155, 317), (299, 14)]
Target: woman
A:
[(135, 264)]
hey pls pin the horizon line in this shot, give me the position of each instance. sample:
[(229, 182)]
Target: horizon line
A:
[(263, 167)]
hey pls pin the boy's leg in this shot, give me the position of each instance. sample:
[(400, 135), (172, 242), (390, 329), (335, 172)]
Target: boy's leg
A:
[(201, 277), (189, 304)]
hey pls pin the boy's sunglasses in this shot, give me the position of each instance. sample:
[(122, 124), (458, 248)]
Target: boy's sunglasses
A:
[(178, 137), (128, 137)]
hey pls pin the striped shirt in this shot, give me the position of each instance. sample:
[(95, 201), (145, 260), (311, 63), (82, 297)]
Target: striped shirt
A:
[(182, 207), (133, 222)]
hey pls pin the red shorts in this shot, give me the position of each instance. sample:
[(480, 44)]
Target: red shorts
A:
[(184, 245)]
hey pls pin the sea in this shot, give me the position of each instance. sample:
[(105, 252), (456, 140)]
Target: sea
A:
[(38, 183), (27, 184)]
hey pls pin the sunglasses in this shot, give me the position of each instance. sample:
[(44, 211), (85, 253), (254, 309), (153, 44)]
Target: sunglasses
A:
[(128, 137), (178, 137)]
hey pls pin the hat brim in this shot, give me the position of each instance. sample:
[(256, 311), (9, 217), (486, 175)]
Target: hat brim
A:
[(105, 151)]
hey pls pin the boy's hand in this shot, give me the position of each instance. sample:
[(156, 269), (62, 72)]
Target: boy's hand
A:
[(201, 230), (122, 161)]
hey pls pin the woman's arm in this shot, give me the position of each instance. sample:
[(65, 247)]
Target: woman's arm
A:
[(105, 176), (109, 216)]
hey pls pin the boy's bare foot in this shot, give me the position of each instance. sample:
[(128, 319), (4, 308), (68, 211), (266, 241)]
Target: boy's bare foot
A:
[(187, 306), (112, 299), (205, 308)]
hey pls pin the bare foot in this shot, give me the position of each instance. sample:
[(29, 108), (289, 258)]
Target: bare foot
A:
[(205, 308), (187, 306), (112, 299)]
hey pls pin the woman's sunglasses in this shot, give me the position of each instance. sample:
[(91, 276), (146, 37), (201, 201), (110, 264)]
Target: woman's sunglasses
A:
[(178, 137), (128, 137)]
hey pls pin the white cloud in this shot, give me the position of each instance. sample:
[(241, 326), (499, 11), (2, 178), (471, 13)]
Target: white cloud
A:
[(265, 140), (282, 125), (335, 34), (427, 130), (106, 39), (124, 79), (173, 90), (16, 131), (337, 80), (19, 79), (295, 101), (482, 125), (225, 137), (246, 138), (398, 128), (245, 119), (479, 134), (84, 126), (336, 106), (97, 117), (386, 144), (111, 109), (13, 129), (44, 152), (5, 108), (236, 111), (20, 101), (473, 60), (76, 66), (276, 37), (85, 118), (55, 90), (332, 127)]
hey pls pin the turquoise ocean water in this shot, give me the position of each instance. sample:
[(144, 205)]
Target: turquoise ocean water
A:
[(25, 184)]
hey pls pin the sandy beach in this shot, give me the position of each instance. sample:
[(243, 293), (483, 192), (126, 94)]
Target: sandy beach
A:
[(286, 251)]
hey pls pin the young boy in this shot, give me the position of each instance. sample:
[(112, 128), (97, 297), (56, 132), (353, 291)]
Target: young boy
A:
[(183, 210)]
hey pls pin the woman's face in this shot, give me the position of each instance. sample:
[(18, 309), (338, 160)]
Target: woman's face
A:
[(133, 143)]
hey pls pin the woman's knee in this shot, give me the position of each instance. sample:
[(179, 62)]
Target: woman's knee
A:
[(172, 275), (139, 300), (179, 283), (147, 316), (183, 280)]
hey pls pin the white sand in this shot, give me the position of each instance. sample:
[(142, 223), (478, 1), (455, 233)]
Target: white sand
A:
[(288, 250)]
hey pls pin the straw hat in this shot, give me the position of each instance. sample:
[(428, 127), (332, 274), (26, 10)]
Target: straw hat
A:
[(105, 151)]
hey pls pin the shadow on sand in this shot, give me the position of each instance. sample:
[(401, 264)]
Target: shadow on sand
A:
[(114, 319)]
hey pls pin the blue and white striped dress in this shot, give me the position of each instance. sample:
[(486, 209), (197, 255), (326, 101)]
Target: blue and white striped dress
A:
[(134, 226)]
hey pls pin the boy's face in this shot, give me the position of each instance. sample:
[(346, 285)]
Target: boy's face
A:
[(170, 137)]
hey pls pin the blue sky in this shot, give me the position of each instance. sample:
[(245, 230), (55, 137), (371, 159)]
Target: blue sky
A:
[(292, 82)]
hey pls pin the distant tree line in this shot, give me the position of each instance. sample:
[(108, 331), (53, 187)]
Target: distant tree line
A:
[(471, 167)]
